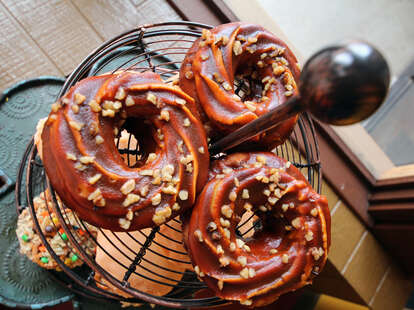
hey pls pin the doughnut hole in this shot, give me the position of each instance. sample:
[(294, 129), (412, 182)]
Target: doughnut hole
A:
[(135, 151)]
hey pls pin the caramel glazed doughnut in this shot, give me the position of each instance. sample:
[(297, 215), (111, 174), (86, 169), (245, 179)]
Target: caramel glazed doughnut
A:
[(284, 255), (89, 174), (244, 51)]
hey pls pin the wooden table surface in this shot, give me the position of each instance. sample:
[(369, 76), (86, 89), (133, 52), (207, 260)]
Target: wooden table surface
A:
[(50, 37)]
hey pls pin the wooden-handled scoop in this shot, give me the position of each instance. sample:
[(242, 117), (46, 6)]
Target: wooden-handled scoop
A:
[(339, 85)]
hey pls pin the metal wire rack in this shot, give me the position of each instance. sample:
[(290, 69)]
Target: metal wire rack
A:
[(150, 255)]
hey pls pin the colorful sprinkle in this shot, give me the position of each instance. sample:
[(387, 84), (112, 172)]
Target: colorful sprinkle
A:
[(25, 238), (67, 261), (55, 220), (74, 257), (44, 260), (64, 237)]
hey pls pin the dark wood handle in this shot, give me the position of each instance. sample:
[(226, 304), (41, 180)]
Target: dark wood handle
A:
[(261, 124)]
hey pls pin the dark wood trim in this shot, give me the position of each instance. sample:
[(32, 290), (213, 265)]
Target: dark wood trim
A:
[(344, 172)]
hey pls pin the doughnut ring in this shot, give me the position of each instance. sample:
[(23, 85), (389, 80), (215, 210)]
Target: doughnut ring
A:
[(288, 250), (89, 174)]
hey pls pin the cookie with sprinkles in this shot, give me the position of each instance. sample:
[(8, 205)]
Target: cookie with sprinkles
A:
[(31, 245)]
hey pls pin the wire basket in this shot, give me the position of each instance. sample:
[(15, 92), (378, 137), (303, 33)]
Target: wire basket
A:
[(160, 48)]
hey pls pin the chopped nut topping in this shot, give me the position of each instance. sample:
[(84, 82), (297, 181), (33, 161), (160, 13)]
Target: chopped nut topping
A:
[(296, 223), (246, 302), (152, 98), (224, 261), (277, 193), (198, 271), (87, 159), (189, 167), (227, 170), (252, 272), (220, 250), (95, 107), (75, 108), (180, 146), (277, 70), (260, 64), (144, 191), (317, 253), (161, 215), (187, 159), (241, 38), (130, 215), (151, 157), (109, 113), (232, 196), (266, 192), (183, 194), (201, 150), (225, 40), (80, 167), (246, 248), (309, 236), (124, 223), (244, 273), (95, 178), (314, 212), (252, 39), (224, 223), (120, 94), (156, 199), (285, 207), (176, 207), (288, 93), (226, 233), (164, 115), (99, 140), (227, 211), (186, 122), (287, 165), (170, 190), (79, 99), (263, 56), (198, 235), (180, 101), (71, 156), (250, 105), (248, 206), (242, 260), (146, 172), (75, 125), (226, 86), (285, 258), (245, 194), (237, 48), (55, 107), (189, 75), (236, 182), (240, 243), (95, 196), (220, 285), (211, 226), (129, 101), (204, 57), (232, 247), (263, 208), (130, 199), (128, 187), (273, 251)]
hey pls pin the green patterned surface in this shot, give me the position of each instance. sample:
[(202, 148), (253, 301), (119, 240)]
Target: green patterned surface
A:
[(21, 281)]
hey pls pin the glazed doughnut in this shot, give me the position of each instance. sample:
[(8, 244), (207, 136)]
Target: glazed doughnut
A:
[(240, 51), (282, 256), (89, 174)]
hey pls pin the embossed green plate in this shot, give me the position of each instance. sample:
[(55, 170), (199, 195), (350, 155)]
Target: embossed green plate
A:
[(23, 283)]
